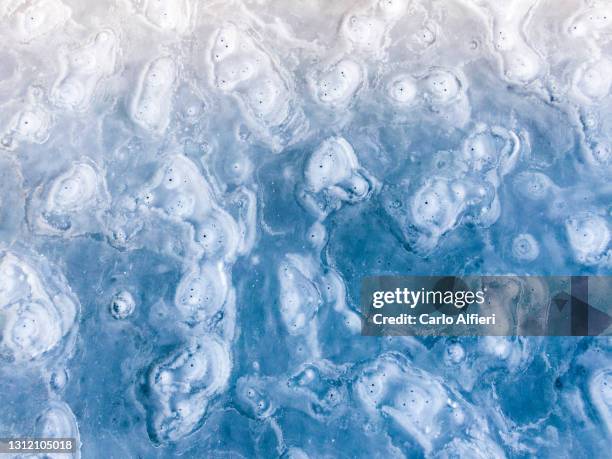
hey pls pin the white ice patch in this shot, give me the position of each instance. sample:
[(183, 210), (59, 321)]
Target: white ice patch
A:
[(333, 175), (82, 69), (151, 104), (337, 85), (172, 15), (407, 396), (589, 238), (179, 189), (30, 124), (37, 309), (182, 386), (299, 298), (242, 68), (525, 247), (600, 390), (58, 421), (35, 18), (403, 90), (202, 292), (71, 204)]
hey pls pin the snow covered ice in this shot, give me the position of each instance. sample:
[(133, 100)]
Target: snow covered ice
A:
[(191, 192)]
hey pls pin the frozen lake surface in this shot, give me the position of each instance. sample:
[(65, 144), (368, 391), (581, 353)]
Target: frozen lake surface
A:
[(191, 192)]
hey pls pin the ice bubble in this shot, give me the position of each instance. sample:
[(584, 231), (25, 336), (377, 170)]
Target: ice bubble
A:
[(392, 8), (58, 379), (589, 237), (225, 42), (182, 386), (600, 390), (442, 87), (504, 39), (253, 397), (521, 64), (317, 234), (74, 190), (152, 101), (332, 176), (219, 236), (592, 81), (268, 100), (236, 168), (235, 70), (481, 150), (169, 14), (31, 330), (424, 37), (498, 346), (36, 312), (31, 124), (337, 85), (402, 90), (71, 204), (82, 70), (202, 291), (535, 186), (179, 189), (525, 247), (455, 353), (36, 18), (489, 148), (160, 73), (437, 206), (180, 205), (242, 68), (364, 31), (122, 305), (372, 386), (332, 163), (408, 396), (590, 21), (58, 421), (367, 24)]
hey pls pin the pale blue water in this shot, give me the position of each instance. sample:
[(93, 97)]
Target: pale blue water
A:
[(191, 193)]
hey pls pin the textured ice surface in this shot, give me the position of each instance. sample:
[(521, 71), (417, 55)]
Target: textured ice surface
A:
[(191, 191)]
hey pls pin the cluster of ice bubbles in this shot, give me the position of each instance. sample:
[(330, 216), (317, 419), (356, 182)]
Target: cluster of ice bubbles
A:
[(240, 67), (332, 175), (38, 320), (464, 184), (71, 204), (183, 384), (394, 397), (186, 213), (168, 15)]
